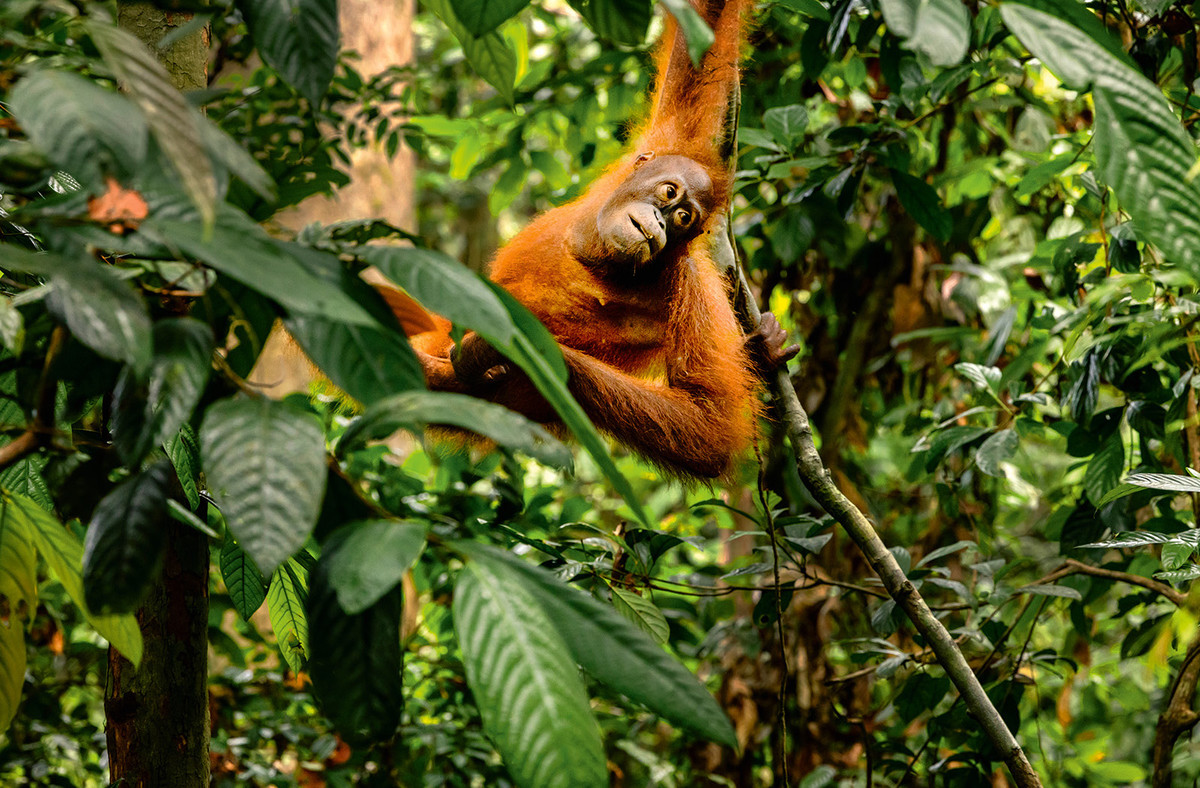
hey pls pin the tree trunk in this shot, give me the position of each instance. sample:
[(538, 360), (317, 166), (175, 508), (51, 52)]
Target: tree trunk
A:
[(157, 715)]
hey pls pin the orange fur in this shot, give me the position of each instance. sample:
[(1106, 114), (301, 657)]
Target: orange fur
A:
[(661, 364)]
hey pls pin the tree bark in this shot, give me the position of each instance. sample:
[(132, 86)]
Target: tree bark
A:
[(157, 715)]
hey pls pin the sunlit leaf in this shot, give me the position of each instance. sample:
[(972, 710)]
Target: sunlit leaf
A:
[(525, 682), (246, 586), (287, 597)]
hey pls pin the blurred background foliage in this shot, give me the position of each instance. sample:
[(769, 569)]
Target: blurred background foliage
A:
[(990, 346)]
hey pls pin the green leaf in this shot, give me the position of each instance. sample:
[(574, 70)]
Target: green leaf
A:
[(998, 448), (786, 124), (1174, 555), (355, 660), (1142, 150), (234, 158), (246, 586), (1041, 175), (941, 29), (125, 541), (83, 128), (525, 682), (986, 378), (241, 249), (99, 309), (364, 561), (287, 597), (18, 593), (922, 203), (812, 8), (619, 21), (174, 123), (149, 409), (414, 409), (644, 614), (490, 55), (613, 651), (63, 552), (184, 451), (1104, 471), (445, 286), (297, 38), (365, 362), (25, 477), (1134, 539), (484, 16), (265, 465), (1165, 481), (1052, 590), (696, 32), (12, 671)]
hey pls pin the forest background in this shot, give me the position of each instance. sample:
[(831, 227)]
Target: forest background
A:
[(980, 219)]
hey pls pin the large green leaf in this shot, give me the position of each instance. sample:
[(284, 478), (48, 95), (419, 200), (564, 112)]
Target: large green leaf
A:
[(364, 561), (63, 552), (619, 21), (483, 16), (18, 593), (298, 38), (81, 127), (1142, 150), (174, 123), (149, 409), (25, 477), (125, 541), (445, 286), (241, 249), (102, 311), (365, 362), (939, 28), (355, 659), (415, 409), (525, 682), (245, 583), (287, 597), (613, 651), (490, 54), (265, 465)]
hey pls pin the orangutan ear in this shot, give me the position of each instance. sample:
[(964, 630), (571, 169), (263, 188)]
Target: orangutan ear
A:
[(643, 158)]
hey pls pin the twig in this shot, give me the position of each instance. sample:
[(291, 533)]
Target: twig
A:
[(1162, 589)]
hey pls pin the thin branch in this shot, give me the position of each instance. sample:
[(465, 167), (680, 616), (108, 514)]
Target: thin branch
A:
[(37, 434), (817, 479), (1162, 589)]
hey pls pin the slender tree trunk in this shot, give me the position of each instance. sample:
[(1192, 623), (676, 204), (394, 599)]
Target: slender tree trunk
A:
[(157, 715)]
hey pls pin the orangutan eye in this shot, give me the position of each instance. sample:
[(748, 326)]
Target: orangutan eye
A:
[(683, 217), (667, 191)]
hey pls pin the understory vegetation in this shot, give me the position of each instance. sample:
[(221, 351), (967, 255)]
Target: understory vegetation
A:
[(980, 219)]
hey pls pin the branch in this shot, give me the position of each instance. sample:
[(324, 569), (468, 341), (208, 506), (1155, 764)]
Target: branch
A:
[(38, 433), (817, 479), (1162, 589), (1177, 717)]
